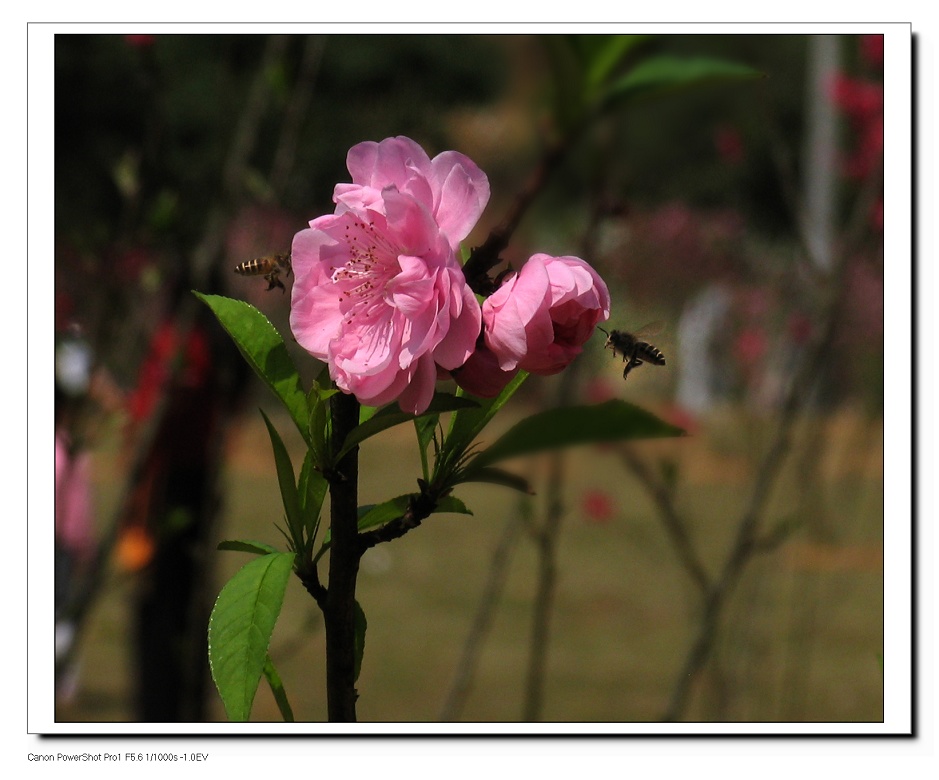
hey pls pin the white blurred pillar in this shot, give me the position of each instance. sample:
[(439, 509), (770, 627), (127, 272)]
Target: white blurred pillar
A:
[(821, 148)]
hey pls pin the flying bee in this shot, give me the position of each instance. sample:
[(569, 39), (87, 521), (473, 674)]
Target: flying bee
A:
[(634, 348), (269, 267)]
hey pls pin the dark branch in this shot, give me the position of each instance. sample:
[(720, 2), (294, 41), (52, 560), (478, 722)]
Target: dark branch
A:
[(487, 256), (420, 507)]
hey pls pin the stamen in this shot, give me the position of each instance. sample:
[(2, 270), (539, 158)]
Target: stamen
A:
[(372, 263)]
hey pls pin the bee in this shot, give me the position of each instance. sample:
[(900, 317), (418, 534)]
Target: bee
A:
[(270, 267), (633, 347)]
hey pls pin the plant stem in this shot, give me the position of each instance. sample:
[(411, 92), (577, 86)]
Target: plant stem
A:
[(484, 258), (344, 557), (546, 540), (482, 621)]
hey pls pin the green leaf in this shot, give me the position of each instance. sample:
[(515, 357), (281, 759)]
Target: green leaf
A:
[(607, 52), (311, 489), (567, 79), (452, 505), (320, 420), (383, 513), (391, 415), (277, 688), (496, 476), (467, 424), (288, 485), (567, 426), (667, 73), (397, 506), (239, 545), (264, 349), (361, 624), (425, 427), (372, 515), (240, 629)]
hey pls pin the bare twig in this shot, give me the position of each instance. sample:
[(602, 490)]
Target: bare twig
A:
[(546, 541), (675, 525), (747, 539), (487, 256), (482, 620), (296, 111)]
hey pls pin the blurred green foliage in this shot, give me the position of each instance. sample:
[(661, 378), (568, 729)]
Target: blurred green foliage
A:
[(143, 127)]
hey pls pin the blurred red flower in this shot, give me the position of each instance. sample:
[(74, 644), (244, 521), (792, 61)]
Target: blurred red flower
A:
[(872, 50), (863, 104), (140, 41), (598, 390), (598, 507), (729, 144), (750, 346), (799, 328), (679, 416)]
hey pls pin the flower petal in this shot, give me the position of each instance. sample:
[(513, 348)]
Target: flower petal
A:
[(461, 196)]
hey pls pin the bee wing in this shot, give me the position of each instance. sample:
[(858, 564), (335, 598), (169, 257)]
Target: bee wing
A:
[(650, 330)]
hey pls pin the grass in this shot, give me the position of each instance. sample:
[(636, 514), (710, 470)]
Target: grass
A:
[(800, 642)]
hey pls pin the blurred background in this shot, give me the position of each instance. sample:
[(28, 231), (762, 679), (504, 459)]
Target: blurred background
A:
[(732, 575)]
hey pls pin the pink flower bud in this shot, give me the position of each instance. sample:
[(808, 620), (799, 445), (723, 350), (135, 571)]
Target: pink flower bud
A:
[(541, 317)]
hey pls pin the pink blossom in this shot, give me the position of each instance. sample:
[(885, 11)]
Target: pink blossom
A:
[(378, 293), (540, 318)]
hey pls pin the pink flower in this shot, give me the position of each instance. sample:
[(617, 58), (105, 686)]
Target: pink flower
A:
[(598, 507), (378, 293), (540, 318)]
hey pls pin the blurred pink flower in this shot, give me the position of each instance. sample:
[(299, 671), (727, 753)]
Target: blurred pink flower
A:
[(750, 346), (678, 415), (864, 312), (378, 293), (872, 50), (799, 328), (140, 41), (73, 500), (600, 389), (598, 507), (540, 318), (876, 215), (863, 104), (859, 99), (729, 144)]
